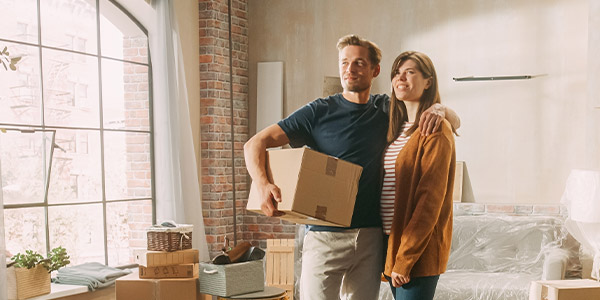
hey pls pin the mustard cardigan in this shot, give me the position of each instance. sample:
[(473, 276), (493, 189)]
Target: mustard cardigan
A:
[(421, 232)]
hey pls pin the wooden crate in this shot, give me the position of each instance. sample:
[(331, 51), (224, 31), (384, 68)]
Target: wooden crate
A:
[(280, 264)]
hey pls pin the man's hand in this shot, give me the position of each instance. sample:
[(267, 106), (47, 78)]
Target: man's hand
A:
[(270, 196), (431, 119), (399, 280), (255, 150)]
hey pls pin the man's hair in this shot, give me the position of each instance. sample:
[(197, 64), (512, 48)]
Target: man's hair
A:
[(354, 40)]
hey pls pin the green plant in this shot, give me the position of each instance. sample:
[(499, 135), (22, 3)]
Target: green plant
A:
[(57, 258), (6, 60), (28, 260)]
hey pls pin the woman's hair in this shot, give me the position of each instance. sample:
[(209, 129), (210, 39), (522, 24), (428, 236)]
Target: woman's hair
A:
[(398, 114)]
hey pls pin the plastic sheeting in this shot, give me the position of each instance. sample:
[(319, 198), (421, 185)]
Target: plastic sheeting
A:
[(496, 257), (582, 197)]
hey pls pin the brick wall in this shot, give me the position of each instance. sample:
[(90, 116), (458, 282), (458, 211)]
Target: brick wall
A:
[(510, 209), (215, 128), (138, 168)]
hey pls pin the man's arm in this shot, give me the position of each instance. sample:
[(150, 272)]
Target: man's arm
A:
[(431, 119), (254, 154)]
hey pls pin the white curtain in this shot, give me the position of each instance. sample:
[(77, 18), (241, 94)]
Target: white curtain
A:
[(177, 188), (3, 288)]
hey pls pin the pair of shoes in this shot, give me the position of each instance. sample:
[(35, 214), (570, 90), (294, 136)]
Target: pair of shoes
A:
[(241, 253)]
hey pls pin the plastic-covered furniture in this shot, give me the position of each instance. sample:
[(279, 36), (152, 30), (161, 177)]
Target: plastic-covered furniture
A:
[(497, 256)]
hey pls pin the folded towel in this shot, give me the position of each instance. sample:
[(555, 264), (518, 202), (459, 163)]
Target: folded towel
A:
[(94, 275)]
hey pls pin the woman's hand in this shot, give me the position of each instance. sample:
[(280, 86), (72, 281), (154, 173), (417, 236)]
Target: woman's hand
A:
[(431, 119), (398, 280)]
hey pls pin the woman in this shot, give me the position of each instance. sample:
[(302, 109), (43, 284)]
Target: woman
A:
[(419, 174)]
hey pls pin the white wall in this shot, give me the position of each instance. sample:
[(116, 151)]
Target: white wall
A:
[(520, 139)]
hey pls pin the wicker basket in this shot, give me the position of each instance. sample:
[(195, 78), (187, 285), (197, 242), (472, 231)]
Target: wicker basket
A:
[(170, 238), (32, 282)]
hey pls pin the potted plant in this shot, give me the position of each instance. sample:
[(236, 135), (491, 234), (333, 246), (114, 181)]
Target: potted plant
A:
[(32, 271)]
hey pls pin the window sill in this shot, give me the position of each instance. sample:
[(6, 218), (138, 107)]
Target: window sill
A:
[(76, 292), (61, 290)]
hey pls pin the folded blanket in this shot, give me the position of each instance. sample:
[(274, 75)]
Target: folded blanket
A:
[(94, 275)]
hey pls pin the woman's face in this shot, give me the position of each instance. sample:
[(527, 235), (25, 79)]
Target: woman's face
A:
[(409, 84)]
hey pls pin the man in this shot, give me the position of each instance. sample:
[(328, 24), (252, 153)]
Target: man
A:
[(340, 262)]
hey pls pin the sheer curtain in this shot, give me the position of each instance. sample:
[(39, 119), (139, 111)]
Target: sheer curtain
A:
[(3, 288), (177, 188)]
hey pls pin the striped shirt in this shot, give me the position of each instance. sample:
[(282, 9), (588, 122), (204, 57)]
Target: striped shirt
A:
[(388, 192)]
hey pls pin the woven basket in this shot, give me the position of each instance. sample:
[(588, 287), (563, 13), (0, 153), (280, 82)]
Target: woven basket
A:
[(32, 282), (166, 240)]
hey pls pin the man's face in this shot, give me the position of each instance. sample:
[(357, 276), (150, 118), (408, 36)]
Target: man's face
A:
[(356, 71)]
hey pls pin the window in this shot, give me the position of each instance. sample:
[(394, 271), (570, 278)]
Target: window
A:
[(76, 142)]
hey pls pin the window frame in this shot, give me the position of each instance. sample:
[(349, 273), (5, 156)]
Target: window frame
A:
[(101, 130)]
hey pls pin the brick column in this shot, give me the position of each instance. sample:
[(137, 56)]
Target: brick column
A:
[(215, 128), (215, 111), (138, 168)]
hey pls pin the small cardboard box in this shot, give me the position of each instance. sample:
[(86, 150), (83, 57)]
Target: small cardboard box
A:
[(578, 289), (231, 279), (315, 188), (174, 271), (131, 287), (162, 258)]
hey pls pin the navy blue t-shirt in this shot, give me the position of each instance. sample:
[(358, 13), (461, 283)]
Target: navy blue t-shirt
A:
[(352, 132)]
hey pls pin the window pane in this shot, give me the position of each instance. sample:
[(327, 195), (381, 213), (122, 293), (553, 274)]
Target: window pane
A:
[(25, 229), (78, 228), (125, 96), (20, 89), (23, 167), (70, 24), (127, 160), (126, 224), (121, 38), (70, 89), (18, 20), (76, 173)]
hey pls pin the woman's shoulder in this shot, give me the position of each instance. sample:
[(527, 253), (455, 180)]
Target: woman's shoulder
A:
[(446, 127), (444, 132)]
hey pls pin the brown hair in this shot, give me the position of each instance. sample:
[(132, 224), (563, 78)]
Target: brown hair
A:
[(431, 95), (354, 40)]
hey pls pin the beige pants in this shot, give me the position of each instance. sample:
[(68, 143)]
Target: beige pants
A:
[(342, 265)]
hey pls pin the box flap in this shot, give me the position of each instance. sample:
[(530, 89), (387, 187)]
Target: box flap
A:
[(283, 167)]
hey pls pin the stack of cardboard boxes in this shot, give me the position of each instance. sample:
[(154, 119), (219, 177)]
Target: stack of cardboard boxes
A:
[(162, 275)]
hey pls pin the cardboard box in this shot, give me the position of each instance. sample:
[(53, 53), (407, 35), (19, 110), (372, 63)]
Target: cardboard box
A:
[(578, 289), (174, 271), (315, 188), (131, 287), (163, 258), (232, 279)]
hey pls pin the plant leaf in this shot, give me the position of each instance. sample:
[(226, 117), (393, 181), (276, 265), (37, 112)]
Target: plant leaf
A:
[(15, 60), (12, 67)]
